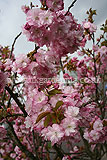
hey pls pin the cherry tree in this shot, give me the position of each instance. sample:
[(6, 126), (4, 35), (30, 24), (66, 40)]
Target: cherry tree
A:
[(43, 117)]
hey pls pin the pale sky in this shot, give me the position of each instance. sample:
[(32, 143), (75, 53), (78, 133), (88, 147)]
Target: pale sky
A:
[(12, 18)]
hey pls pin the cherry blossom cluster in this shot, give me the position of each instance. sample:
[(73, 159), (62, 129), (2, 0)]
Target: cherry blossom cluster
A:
[(5, 66), (60, 33), (97, 133), (67, 127), (90, 26), (44, 65)]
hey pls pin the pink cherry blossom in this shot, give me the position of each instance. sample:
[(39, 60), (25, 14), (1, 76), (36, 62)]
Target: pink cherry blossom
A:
[(69, 126), (98, 126), (25, 9), (88, 25), (94, 135), (86, 136), (55, 5), (40, 99), (71, 111), (54, 133)]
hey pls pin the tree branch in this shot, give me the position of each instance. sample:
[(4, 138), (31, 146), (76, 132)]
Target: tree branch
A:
[(14, 43), (59, 151), (18, 143), (21, 106), (70, 7), (14, 115), (62, 66)]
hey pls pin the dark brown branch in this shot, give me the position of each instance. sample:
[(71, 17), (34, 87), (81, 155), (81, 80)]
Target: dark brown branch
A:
[(14, 43), (14, 115), (59, 151), (70, 7), (62, 66), (21, 106), (15, 139)]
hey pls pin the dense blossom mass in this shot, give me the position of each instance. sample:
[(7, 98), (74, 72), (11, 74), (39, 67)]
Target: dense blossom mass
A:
[(60, 33), (43, 116)]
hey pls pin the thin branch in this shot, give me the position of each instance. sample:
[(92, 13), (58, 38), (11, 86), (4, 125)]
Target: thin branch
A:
[(21, 106), (15, 139), (62, 66), (14, 77), (58, 150), (14, 115), (70, 7), (33, 134), (14, 43)]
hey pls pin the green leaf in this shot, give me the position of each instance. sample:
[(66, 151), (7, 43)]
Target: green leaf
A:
[(94, 12), (54, 118), (47, 120), (54, 121), (104, 43), (105, 123), (102, 28), (58, 104), (54, 92), (49, 145), (105, 29), (42, 115)]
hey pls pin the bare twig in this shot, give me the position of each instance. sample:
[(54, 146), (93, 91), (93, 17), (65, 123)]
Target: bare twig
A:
[(62, 66), (14, 115), (70, 7), (12, 91), (14, 43), (21, 106)]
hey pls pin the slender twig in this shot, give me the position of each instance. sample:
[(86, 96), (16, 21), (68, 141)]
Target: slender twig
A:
[(10, 98), (62, 66), (14, 96), (14, 43), (34, 144), (70, 7), (14, 115), (18, 83), (15, 139), (36, 47), (3, 97)]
